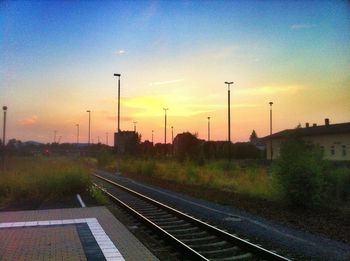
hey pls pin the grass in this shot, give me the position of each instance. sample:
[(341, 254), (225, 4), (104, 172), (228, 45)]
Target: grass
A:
[(253, 180), (40, 178)]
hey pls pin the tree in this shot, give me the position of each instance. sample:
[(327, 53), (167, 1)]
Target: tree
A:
[(186, 145), (253, 136), (300, 172)]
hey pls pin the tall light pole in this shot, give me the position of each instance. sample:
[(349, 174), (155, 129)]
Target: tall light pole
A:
[(88, 111), (77, 133), (118, 75), (4, 108), (152, 136), (172, 134), (208, 128), (54, 136), (107, 138), (135, 122), (229, 118), (270, 129), (165, 109)]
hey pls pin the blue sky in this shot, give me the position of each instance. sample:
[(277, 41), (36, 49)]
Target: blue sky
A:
[(57, 59)]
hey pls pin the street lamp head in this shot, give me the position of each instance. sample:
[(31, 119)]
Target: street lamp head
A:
[(117, 74), (4, 108), (165, 109), (208, 118), (88, 111), (228, 82), (270, 103)]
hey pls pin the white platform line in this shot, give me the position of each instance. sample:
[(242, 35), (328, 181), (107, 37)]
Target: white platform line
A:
[(110, 252), (82, 204)]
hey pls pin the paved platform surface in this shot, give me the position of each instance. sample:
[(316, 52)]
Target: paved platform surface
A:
[(68, 234)]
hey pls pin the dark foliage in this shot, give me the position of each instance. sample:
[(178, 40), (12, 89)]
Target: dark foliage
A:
[(300, 172)]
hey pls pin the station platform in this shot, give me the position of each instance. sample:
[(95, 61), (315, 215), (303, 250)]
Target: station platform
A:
[(91, 233)]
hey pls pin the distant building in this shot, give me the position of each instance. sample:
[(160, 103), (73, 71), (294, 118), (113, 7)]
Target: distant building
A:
[(334, 140), (126, 141)]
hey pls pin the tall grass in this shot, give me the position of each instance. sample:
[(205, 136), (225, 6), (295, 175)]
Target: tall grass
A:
[(253, 180), (42, 178)]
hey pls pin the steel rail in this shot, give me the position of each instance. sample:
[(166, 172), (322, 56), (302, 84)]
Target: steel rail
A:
[(243, 244), (178, 244)]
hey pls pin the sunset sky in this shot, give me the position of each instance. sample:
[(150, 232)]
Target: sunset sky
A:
[(57, 60)]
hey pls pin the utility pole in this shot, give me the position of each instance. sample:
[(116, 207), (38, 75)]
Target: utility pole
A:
[(152, 136), (4, 108), (208, 128), (54, 136), (165, 109), (229, 118), (88, 111), (271, 153), (172, 135), (135, 122), (77, 133), (118, 75), (107, 138)]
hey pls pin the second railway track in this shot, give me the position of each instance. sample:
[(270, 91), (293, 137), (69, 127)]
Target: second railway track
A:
[(193, 238)]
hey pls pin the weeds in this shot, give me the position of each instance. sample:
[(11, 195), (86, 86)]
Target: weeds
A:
[(222, 175), (42, 178)]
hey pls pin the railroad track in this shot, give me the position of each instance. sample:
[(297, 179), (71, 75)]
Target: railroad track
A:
[(193, 238)]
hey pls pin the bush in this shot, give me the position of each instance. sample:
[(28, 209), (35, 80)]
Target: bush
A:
[(300, 172), (104, 158), (337, 184)]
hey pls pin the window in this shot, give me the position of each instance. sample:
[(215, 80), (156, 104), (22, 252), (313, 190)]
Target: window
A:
[(332, 151), (343, 147)]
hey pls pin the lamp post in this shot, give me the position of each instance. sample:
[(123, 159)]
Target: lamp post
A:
[(229, 118), (135, 122), (118, 75), (208, 128), (271, 130), (165, 109), (152, 136), (88, 111), (77, 133), (107, 138), (4, 108), (54, 136), (172, 135)]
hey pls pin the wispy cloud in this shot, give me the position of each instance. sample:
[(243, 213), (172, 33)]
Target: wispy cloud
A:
[(301, 26), (120, 52), (165, 82), (270, 90), (28, 120)]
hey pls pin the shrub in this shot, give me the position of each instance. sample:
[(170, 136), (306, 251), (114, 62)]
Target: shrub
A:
[(104, 158), (337, 184), (300, 172)]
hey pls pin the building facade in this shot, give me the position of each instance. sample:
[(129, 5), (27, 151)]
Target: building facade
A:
[(333, 139)]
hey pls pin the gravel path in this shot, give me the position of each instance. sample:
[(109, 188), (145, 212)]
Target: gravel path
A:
[(293, 243)]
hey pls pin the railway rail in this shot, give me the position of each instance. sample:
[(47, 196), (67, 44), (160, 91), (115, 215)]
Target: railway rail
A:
[(193, 238)]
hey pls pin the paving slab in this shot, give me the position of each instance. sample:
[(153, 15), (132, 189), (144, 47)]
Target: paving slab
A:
[(68, 234)]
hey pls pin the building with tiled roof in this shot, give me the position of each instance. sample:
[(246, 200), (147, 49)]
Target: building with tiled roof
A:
[(334, 140)]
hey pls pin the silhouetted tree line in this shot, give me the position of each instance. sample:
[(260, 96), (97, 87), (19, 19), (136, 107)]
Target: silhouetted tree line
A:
[(187, 146)]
